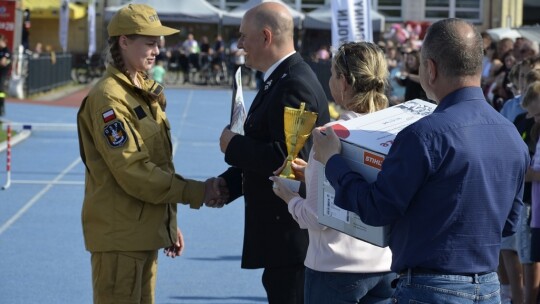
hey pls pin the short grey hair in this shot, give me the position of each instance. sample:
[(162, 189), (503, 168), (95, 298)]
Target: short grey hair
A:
[(454, 54)]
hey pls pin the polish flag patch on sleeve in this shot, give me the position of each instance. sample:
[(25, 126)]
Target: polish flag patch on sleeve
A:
[(108, 116)]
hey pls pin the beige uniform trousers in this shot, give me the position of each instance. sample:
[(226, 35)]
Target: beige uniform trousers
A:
[(124, 277)]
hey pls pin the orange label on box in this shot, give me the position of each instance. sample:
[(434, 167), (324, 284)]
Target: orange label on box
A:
[(373, 160)]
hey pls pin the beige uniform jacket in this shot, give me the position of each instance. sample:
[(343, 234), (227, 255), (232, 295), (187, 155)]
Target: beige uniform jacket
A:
[(131, 189)]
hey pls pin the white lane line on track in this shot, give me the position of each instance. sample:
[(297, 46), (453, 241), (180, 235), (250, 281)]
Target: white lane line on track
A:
[(183, 118), (36, 197), (185, 112), (174, 145), (46, 182), (42, 126)]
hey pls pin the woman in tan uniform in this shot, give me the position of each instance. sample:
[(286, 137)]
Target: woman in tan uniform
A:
[(131, 191)]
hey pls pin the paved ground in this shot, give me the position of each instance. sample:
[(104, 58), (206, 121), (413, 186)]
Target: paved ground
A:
[(42, 255)]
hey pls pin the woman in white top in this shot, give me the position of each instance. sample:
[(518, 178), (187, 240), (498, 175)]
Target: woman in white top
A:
[(340, 268)]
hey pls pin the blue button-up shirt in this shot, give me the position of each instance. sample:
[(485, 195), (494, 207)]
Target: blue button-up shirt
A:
[(450, 187)]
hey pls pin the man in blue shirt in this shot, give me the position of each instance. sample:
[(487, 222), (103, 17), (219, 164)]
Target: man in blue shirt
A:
[(450, 186)]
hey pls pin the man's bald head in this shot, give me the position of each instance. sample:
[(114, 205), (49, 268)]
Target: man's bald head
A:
[(455, 46), (277, 18)]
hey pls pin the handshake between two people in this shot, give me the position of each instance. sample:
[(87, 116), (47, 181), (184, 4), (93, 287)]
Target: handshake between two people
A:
[(216, 192)]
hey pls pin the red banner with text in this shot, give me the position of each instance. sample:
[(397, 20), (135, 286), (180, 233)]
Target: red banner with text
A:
[(7, 21)]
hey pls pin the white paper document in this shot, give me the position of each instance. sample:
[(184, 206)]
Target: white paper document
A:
[(238, 110)]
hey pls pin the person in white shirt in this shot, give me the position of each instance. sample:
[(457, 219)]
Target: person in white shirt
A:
[(340, 268)]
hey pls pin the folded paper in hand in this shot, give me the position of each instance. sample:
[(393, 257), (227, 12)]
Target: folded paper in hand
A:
[(238, 110)]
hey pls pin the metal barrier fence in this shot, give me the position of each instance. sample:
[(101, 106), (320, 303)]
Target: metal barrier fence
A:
[(44, 73)]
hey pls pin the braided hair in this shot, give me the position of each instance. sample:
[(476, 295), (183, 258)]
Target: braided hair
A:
[(114, 55)]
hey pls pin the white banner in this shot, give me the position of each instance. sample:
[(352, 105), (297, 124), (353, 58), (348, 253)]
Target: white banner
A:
[(91, 28), (351, 21), (64, 24)]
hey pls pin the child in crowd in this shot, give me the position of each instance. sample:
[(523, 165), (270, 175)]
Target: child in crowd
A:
[(158, 72)]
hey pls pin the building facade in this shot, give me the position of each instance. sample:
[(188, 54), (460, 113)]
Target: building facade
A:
[(484, 13)]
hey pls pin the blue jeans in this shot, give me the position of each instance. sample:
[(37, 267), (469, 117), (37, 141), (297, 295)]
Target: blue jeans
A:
[(448, 289), (341, 287)]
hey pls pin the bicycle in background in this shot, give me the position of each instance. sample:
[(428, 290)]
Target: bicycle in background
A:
[(87, 69)]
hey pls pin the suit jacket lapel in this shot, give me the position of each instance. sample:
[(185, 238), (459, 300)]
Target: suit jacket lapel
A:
[(270, 83)]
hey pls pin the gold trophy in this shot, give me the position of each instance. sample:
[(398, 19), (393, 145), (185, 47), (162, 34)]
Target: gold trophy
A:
[(298, 124)]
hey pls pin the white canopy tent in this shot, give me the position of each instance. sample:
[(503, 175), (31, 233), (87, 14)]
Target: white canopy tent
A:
[(234, 17), (530, 32), (503, 32), (198, 11), (321, 19)]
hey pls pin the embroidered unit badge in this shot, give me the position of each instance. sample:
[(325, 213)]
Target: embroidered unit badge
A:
[(108, 116), (116, 134)]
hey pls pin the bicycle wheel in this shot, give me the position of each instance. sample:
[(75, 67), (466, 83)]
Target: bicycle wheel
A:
[(172, 77), (80, 75)]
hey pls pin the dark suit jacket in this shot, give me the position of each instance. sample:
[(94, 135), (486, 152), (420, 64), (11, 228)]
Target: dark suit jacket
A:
[(271, 237)]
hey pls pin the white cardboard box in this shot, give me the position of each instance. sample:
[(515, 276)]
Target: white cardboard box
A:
[(365, 142)]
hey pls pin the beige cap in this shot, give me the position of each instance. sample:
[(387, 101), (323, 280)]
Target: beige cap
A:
[(139, 19)]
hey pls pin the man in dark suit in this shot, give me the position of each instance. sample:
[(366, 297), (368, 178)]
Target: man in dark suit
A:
[(272, 239)]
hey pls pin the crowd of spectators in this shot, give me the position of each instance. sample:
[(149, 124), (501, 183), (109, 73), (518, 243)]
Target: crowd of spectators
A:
[(511, 70), (200, 61)]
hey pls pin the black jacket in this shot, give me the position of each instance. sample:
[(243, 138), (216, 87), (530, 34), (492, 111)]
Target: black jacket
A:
[(271, 237)]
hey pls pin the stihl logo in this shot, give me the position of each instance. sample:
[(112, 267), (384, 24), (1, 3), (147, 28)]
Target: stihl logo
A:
[(373, 160)]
